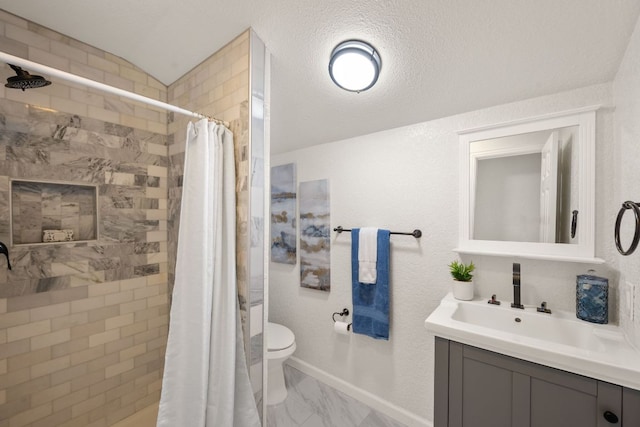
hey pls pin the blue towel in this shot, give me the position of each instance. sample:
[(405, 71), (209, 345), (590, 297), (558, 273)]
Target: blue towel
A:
[(371, 302)]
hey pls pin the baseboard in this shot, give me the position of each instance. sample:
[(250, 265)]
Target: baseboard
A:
[(397, 413)]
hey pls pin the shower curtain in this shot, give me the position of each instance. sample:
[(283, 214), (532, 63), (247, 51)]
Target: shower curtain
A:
[(206, 382)]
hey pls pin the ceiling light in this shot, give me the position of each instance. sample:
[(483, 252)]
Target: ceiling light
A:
[(354, 65)]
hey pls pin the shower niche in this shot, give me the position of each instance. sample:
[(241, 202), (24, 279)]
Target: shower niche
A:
[(53, 212)]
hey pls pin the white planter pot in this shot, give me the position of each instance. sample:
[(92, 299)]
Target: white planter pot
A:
[(463, 290)]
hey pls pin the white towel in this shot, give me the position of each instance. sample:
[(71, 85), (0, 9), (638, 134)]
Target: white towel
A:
[(367, 255)]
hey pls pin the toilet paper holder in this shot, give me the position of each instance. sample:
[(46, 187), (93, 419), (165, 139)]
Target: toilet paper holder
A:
[(344, 312)]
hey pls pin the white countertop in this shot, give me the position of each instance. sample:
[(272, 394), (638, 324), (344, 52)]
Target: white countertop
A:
[(558, 340)]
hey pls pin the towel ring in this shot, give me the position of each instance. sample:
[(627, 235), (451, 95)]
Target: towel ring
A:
[(636, 235)]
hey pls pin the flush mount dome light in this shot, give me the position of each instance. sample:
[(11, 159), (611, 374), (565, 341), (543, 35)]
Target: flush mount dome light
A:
[(354, 65)]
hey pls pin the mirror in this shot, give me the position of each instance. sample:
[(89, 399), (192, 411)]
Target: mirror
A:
[(528, 188), (523, 187)]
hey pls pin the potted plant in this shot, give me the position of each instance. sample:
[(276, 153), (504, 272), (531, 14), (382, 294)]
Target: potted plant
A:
[(462, 280)]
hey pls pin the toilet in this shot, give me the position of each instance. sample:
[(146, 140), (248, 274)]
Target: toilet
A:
[(281, 343)]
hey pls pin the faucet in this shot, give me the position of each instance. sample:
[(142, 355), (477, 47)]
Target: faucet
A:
[(516, 287)]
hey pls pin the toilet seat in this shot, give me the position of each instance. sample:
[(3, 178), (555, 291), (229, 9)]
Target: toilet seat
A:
[(279, 337)]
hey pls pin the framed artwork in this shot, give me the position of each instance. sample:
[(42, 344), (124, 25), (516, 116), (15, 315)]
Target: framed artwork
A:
[(283, 214), (315, 267)]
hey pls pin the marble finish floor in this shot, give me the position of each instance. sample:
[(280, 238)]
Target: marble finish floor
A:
[(311, 403)]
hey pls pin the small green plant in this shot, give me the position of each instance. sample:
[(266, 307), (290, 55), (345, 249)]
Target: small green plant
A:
[(461, 272)]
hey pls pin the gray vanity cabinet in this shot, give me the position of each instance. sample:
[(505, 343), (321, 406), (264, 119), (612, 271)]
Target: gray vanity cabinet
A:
[(479, 388)]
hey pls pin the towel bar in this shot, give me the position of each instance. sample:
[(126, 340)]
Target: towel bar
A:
[(415, 233)]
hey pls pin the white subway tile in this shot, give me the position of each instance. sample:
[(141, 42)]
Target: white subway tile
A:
[(128, 284), (50, 311), (118, 322), (119, 368), (30, 38), (50, 366), (104, 337), (160, 171), (103, 64), (152, 214), (48, 340), (87, 304), (28, 330)]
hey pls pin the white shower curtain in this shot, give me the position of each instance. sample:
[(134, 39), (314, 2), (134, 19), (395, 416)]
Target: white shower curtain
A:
[(206, 383)]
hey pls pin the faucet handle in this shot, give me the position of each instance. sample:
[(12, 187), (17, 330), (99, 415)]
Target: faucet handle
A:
[(493, 300), (543, 308)]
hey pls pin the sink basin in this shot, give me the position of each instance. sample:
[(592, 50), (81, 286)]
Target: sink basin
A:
[(558, 340), (555, 327)]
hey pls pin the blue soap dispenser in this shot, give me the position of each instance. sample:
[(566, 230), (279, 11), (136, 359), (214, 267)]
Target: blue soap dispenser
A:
[(592, 298)]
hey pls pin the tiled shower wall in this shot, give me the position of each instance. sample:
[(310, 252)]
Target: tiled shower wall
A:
[(220, 87), (90, 351), (39, 206), (83, 325)]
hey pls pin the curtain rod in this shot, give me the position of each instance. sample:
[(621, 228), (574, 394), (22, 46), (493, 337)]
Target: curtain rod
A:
[(49, 71)]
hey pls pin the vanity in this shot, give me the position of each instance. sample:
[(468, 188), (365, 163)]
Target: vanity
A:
[(527, 190), (497, 366)]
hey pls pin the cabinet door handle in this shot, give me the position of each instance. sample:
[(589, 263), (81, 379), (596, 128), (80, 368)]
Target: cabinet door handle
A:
[(610, 417)]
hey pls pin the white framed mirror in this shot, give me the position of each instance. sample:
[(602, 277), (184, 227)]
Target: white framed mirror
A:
[(528, 188)]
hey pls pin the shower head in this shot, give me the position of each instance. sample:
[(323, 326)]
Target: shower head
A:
[(23, 80)]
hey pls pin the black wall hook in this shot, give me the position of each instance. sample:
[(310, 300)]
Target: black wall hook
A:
[(5, 251)]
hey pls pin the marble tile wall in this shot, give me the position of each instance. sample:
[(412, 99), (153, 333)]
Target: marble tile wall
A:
[(39, 206), (219, 87), (132, 213), (83, 325)]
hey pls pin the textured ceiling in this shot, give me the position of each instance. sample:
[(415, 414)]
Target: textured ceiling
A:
[(439, 57)]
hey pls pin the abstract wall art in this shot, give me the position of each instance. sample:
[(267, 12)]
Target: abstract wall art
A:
[(283, 214), (315, 272)]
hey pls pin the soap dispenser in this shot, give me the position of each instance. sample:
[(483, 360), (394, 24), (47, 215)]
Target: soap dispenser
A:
[(592, 298)]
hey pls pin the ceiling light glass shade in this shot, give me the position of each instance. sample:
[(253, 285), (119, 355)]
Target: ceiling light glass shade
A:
[(354, 65)]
